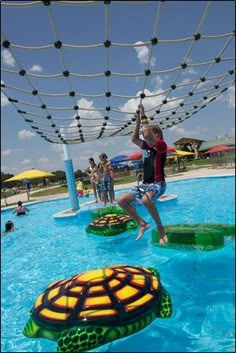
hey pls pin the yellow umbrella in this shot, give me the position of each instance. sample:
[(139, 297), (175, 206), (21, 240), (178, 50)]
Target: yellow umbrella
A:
[(30, 174), (177, 154), (172, 156), (183, 153)]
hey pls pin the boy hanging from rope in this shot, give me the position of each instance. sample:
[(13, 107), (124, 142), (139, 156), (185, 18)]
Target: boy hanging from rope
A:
[(154, 184)]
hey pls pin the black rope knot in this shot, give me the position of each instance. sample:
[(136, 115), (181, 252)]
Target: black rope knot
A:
[(6, 44), (107, 43), (197, 36), (58, 44), (154, 41)]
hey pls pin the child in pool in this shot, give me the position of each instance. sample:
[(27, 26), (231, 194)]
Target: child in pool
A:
[(9, 227), (20, 209)]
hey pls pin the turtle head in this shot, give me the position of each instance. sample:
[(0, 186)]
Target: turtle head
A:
[(131, 225), (165, 308), (33, 330)]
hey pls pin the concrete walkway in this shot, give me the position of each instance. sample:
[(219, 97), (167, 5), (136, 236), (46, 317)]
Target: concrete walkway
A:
[(203, 172)]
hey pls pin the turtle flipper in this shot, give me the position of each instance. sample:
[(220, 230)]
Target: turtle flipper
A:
[(166, 305), (82, 339)]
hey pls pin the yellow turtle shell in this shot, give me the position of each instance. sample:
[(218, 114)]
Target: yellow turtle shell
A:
[(111, 224), (112, 294)]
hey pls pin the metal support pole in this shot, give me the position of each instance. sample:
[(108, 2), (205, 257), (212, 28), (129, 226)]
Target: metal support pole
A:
[(70, 178)]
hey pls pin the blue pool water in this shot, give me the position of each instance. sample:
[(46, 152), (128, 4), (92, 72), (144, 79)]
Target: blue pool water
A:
[(201, 284)]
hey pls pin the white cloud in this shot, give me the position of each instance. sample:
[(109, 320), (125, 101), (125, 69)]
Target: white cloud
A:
[(7, 58), (180, 131), (228, 97), (36, 68), (203, 84), (4, 100), (90, 120), (87, 115), (189, 70), (6, 152), (25, 135), (184, 82), (26, 161), (143, 54), (157, 82), (231, 97), (150, 103), (43, 160), (9, 169)]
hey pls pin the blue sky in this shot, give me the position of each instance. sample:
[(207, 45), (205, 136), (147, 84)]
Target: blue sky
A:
[(22, 148)]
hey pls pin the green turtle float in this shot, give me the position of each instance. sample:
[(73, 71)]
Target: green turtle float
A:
[(99, 212), (199, 236), (111, 224), (93, 308)]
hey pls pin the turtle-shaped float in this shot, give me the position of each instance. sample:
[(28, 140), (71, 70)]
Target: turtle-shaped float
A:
[(198, 236), (111, 224), (93, 308)]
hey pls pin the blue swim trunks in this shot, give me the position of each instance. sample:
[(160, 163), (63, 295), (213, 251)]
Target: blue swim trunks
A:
[(156, 189), (105, 184), (108, 182), (101, 185)]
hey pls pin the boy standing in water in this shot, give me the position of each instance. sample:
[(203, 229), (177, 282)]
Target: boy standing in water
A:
[(153, 185)]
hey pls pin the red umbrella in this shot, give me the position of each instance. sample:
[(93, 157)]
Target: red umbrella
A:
[(219, 148), (138, 155), (171, 149), (134, 157)]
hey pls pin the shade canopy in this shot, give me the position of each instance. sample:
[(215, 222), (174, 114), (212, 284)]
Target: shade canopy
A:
[(134, 157), (183, 153), (30, 174), (219, 148), (171, 149), (118, 159)]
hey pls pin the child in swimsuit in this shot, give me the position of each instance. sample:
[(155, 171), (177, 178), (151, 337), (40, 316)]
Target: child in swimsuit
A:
[(20, 209), (9, 227)]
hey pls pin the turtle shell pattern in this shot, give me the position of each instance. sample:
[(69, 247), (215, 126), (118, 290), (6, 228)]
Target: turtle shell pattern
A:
[(112, 295), (111, 224)]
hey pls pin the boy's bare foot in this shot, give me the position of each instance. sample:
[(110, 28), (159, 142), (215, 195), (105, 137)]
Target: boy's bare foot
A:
[(162, 234), (163, 240), (142, 229)]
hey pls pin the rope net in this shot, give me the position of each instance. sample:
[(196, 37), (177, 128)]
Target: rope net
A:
[(74, 104)]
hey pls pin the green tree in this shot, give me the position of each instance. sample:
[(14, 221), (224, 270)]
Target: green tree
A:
[(79, 174), (60, 175), (8, 184)]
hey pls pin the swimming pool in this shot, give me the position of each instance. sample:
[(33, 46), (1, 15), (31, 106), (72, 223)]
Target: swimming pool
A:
[(201, 284)]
